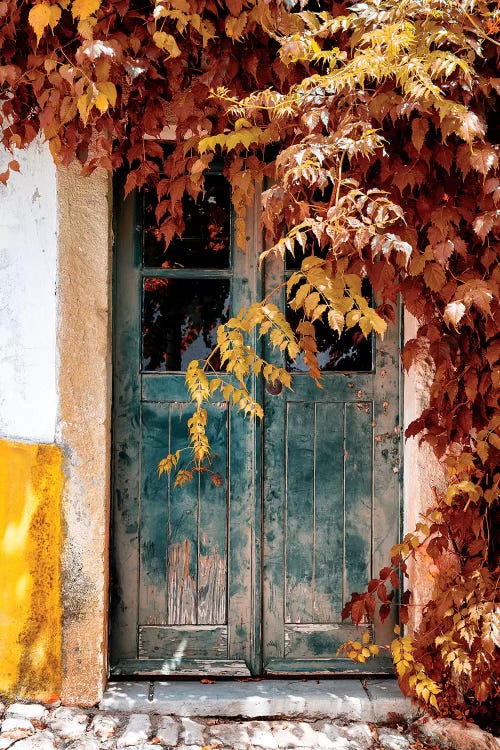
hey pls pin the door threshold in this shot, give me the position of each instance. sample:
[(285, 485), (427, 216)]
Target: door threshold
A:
[(351, 699), (180, 668)]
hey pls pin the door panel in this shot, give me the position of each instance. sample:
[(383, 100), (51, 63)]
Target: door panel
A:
[(331, 502), (183, 531), (185, 576)]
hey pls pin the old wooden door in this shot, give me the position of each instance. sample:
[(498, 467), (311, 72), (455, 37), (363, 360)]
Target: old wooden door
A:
[(247, 575), (330, 495), (183, 588)]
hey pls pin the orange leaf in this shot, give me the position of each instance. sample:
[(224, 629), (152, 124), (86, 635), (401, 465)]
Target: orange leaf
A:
[(82, 9), (434, 276), (39, 18)]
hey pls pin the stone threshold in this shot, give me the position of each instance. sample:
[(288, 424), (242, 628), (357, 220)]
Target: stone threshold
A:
[(373, 700)]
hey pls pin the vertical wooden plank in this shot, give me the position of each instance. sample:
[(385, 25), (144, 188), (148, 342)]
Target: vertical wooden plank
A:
[(358, 496), (387, 459), (126, 399), (273, 488), (154, 515), (182, 540), (212, 542), (329, 512), (244, 513), (299, 524), (273, 578)]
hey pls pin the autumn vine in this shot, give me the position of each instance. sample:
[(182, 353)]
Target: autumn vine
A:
[(378, 124)]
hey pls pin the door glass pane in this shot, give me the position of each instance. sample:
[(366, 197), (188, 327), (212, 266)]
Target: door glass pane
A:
[(293, 261), (206, 239), (349, 352), (179, 321)]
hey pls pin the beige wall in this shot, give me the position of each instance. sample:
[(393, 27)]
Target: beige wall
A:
[(422, 472), (84, 349)]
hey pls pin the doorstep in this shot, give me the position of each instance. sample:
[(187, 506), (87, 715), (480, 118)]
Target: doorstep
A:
[(374, 700)]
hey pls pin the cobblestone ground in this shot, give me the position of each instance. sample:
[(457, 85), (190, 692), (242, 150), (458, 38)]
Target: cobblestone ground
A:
[(34, 727)]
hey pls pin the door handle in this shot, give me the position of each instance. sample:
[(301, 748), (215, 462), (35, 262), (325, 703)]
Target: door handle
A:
[(274, 387)]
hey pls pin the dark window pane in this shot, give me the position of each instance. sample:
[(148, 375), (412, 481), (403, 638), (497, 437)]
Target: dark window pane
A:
[(293, 261), (206, 239), (179, 321), (349, 352)]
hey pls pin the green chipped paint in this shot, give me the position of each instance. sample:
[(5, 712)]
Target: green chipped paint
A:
[(194, 592), (185, 590), (331, 506)]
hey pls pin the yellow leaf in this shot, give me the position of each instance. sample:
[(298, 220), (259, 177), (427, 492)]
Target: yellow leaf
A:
[(108, 89), (235, 26), (83, 106), (39, 18), (101, 102), (84, 8), (86, 27), (68, 109), (55, 15), (242, 122), (311, 301), (336, 320), (352, 318), (166, 42), (482, 450), (494, 440), (377, 323)]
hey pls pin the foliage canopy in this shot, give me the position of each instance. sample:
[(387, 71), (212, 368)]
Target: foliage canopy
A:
[(378, 125)]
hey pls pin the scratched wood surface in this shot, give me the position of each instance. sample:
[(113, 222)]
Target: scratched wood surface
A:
[(190, 641), (331, 505), (245, 576), (185, 582), (174, 666)]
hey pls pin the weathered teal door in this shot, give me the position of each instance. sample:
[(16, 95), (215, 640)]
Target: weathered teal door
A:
[(245, 572), (184, 598), (330, 496)]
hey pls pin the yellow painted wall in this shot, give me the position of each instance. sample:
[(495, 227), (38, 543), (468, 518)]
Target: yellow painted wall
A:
[(31, 482)]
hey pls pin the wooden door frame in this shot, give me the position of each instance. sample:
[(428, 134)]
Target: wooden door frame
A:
[(85, 262)]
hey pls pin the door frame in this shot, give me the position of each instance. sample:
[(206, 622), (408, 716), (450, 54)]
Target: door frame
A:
[(85, 266), (128, 236)]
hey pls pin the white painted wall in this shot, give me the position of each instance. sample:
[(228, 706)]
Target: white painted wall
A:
[(28, 275)]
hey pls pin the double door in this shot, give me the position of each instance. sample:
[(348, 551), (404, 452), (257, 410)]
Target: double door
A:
[(245, 569)]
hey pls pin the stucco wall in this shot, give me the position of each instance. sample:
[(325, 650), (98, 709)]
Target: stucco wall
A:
[(55, 370), (31, 476), (422, 472), (84, 344), (28, 268)]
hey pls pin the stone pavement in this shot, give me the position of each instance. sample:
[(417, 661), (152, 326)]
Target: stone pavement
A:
[(28, 726)]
